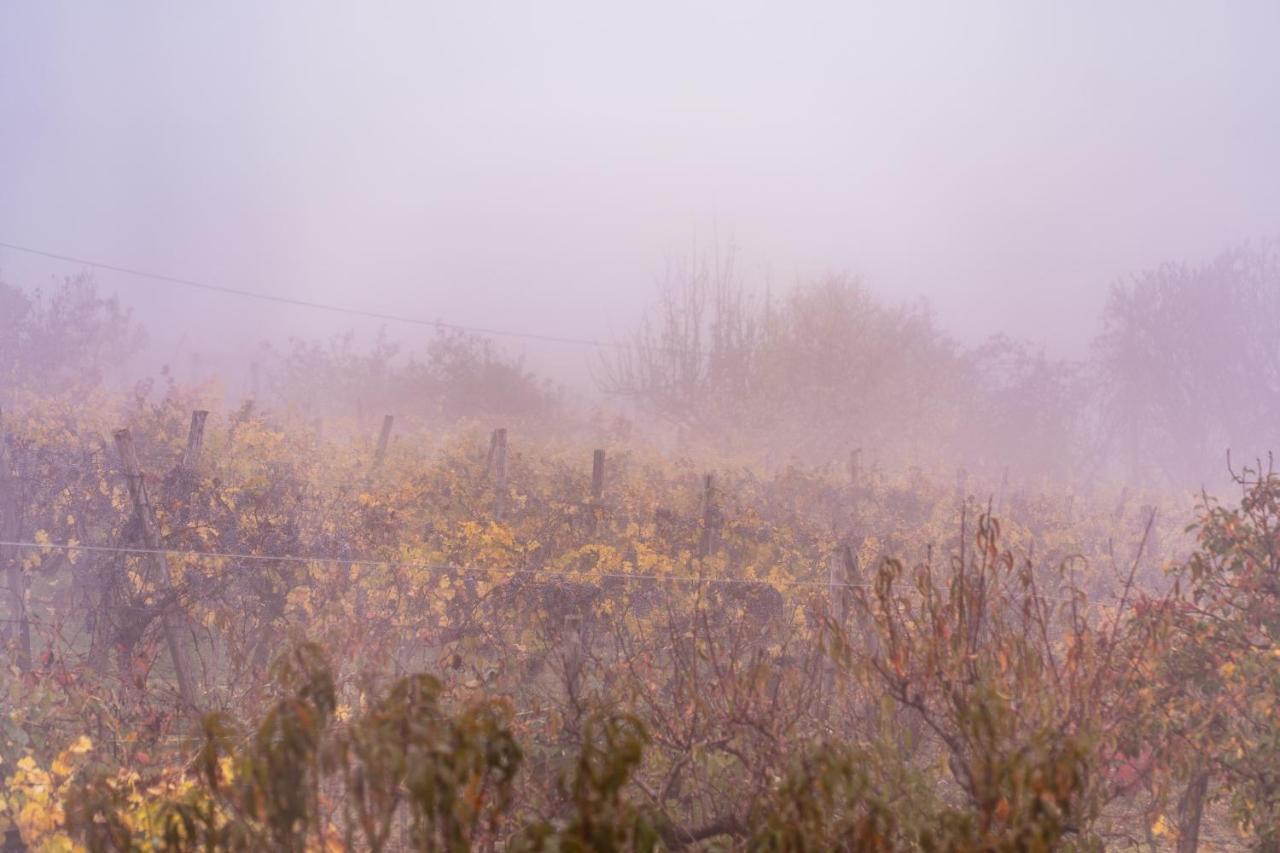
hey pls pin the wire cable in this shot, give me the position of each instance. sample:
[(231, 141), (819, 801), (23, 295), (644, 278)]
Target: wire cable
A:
[(307, 303), (553, 574), (434, 567)]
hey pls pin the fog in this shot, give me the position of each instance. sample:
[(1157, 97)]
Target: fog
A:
[(699, 426), (535, 167)]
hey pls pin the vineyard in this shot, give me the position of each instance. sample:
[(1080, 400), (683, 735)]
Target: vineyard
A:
[(303, 626), (579, 427), (237, 634)]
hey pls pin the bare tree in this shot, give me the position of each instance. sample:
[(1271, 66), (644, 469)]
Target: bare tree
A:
[(694, 355)]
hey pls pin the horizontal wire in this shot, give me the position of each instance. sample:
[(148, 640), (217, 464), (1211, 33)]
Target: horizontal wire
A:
[(324, 306), (449, 567), (438, 567)]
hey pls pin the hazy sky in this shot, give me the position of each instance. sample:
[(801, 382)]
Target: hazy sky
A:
[(533, 165)]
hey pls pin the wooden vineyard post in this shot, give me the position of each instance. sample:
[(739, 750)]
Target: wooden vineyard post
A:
[(493, 446), (498, 466), (855, 492), (710, 518), (1154, 544), (836, 601), (159, 568), (844, 576), (838, 585), (195, 441), (597, 488), (10, 530), (573, 651), (384, 438), (182, 482)]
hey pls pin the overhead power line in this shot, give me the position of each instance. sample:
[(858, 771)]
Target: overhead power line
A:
[(307, 303)]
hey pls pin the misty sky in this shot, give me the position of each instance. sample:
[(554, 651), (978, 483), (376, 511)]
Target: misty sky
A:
[(534, 165)]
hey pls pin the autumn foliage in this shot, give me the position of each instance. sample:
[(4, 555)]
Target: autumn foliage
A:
[(284, 634)]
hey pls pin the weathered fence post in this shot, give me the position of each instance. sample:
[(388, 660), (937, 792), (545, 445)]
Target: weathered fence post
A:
[(498, 464), (710, 518), (572, 648), (159, 567), (195, 441), (844, 575), (838, 584), (493, 448), (597, 488), (182, 482), (10, 530), (1155, 545), (384, 438)]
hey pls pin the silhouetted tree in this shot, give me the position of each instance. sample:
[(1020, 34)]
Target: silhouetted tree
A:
[(1189, 362), (63, 338)]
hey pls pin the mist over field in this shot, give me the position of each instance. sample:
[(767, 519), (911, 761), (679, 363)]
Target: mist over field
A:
[(536, 167), (565, 426)]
